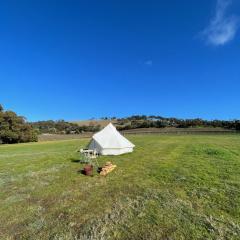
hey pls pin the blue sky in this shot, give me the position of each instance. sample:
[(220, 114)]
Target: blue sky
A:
[(89, 58)]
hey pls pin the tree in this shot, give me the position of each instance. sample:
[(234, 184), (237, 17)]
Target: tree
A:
[(237, 125), (15, 129)]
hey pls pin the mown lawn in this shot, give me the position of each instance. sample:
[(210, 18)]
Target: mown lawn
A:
[(170, 187)]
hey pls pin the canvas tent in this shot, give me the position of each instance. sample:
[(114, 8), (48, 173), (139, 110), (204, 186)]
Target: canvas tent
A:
[(110, 142)]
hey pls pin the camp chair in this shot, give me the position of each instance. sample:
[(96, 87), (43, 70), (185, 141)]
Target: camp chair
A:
[(89, 157)]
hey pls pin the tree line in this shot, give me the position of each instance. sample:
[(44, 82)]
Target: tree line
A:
[(15, 129), (62, 127), (143, 121)]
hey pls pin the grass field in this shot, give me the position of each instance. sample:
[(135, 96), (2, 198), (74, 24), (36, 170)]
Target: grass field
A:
[(170, 187)]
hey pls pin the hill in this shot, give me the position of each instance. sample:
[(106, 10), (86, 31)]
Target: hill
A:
[(100, 122), (154, 123), (158, 122)]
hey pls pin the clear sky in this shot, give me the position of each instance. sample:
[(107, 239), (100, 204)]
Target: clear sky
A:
[(89, 58)]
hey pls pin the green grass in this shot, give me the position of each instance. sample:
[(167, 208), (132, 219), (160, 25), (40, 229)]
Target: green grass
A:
[(170, 187)]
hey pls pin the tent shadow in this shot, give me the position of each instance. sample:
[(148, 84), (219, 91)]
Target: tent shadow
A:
[(74, 160)]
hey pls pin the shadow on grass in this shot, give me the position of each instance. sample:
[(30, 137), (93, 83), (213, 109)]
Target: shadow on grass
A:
[(81, 171), (82, 161), (74, 160)]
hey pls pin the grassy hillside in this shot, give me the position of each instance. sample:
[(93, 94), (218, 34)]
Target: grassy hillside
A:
[(170, 187)]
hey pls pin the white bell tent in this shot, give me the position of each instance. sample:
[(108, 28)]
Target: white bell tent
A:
[(110, 142)]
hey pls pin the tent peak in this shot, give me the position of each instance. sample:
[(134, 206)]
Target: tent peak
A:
[(111, 125)]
